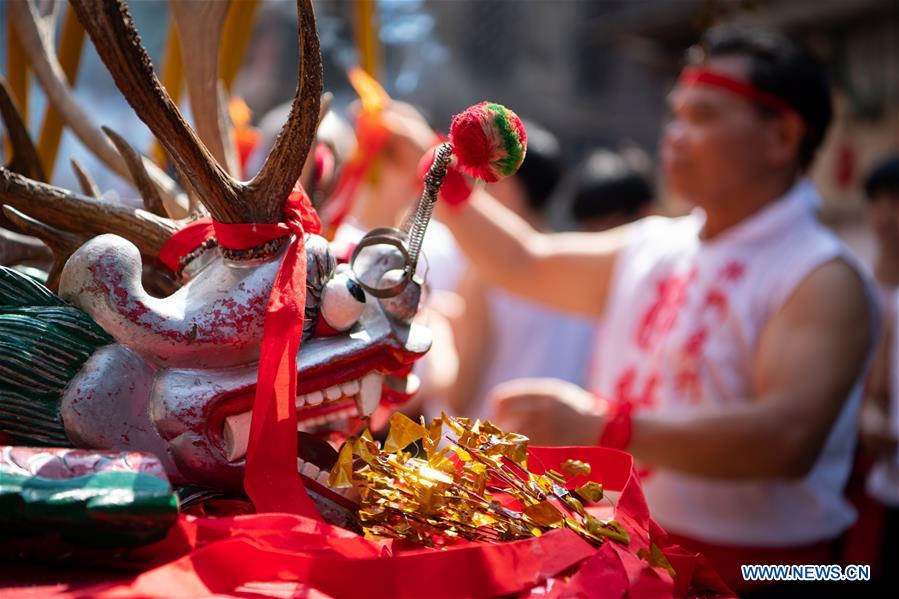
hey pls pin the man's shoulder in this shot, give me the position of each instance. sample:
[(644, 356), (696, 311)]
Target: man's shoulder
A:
[(837, 290), (665, 229)]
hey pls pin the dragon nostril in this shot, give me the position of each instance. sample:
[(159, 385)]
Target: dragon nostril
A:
[(355, 290)]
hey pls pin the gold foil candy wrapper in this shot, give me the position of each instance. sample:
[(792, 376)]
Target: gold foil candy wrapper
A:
[(543, 514), (591, 491), (341, 476), (453, 486), (575, 467), (403, 432)]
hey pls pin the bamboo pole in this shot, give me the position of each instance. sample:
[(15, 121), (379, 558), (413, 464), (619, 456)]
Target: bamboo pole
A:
[(16, 75), (366, 30), (235, 39), (71, 45)]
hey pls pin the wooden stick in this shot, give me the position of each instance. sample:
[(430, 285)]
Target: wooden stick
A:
[(366, 30)]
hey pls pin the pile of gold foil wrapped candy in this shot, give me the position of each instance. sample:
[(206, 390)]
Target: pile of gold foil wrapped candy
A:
[(472, 483)]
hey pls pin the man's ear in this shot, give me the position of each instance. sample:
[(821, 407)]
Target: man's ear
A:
[(786, 133)]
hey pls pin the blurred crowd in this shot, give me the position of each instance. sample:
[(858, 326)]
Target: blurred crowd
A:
[(738, 349)]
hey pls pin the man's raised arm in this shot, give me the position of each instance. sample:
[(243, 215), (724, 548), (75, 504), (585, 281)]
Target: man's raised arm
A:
[(568, 271)]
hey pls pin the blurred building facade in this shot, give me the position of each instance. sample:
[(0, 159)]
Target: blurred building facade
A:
[(596, 72)]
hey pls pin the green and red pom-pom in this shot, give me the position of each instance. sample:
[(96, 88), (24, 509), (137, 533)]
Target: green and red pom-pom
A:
[(489, 141)]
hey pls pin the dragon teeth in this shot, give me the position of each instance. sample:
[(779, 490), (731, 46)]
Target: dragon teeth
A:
[(366, 393), (322, 478), (351, 388), (236, 435), (369, 393), (310, 470)]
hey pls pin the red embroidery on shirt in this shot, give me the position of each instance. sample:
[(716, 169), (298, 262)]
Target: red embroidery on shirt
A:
[(662, 314), (625, 392), (733, 271), (717, 300), (659, 320), (695, 343)]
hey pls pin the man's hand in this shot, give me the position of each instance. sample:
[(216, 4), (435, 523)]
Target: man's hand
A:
[(548, 411)]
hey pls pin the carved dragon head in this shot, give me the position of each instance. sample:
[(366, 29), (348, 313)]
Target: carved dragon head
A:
[(179, 377)]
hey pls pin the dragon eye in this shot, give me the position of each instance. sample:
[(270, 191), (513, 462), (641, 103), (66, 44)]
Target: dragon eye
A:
[(342, 301)]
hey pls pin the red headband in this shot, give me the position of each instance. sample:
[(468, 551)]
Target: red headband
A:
[(704, 76)]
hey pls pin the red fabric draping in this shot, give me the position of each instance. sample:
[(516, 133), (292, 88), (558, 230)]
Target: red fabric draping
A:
[(294, 554), (270, 479)]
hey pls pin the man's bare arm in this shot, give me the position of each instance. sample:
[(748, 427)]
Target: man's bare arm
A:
[(810, 356), (569, 271)]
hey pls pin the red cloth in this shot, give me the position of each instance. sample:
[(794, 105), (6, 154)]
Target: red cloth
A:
[(240, 236), (288, 553), (271, 479), (704, 76), (456, 187), (619, 426), (727, 559)]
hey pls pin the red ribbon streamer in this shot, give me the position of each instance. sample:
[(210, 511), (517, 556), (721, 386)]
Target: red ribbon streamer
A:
[(238, 237), (699, 75), (271, 479)]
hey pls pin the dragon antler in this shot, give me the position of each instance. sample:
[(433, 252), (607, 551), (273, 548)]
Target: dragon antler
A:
[(262, 198)]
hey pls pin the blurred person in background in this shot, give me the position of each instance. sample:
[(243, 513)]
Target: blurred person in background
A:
[(389, 188), (502, 336), (880, 422), (735, 338), (610, 190), (882, 192), (335, 142)]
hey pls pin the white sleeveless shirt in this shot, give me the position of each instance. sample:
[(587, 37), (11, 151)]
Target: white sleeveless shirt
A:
[(681, 330)]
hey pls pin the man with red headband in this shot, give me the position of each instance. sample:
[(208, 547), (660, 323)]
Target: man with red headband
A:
[(736, 336)]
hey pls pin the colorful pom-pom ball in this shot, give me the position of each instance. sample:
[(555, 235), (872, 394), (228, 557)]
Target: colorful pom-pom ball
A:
[(489, 141)]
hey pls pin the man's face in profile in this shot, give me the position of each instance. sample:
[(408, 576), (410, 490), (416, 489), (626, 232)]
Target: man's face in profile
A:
[(716, 142)]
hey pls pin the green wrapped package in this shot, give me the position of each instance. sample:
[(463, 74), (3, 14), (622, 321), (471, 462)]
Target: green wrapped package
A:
[(86, 497)]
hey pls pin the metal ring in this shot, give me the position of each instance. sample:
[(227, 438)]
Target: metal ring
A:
[(385, 236)]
